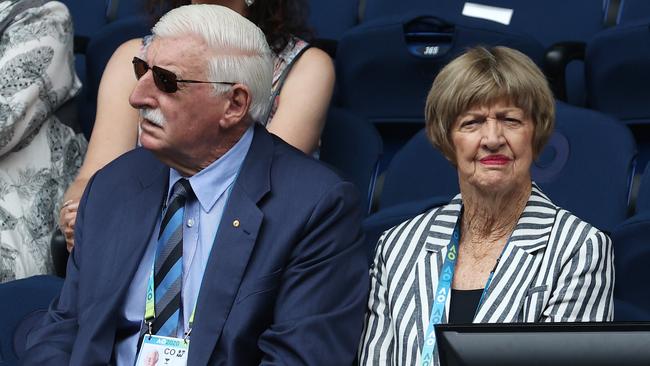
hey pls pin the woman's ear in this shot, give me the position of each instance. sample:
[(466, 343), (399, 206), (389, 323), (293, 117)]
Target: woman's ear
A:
[(237, 105)]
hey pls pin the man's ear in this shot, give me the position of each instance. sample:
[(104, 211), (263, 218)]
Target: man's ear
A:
[(239, 101)]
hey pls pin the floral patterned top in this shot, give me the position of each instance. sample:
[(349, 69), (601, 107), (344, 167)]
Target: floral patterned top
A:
[(282, 64), (39, 155)]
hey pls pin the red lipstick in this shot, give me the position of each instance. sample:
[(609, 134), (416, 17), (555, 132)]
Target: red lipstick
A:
[(496, 159)]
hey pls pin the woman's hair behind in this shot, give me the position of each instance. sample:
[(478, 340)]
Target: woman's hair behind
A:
[(278, 19)]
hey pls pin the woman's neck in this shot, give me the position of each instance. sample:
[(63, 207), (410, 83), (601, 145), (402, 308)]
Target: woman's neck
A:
[(492, 216)]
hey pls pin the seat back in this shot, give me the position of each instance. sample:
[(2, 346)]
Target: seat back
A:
[(88, 16), (417, 172), (330, 19), (353, 146), (118, 9), (549, 21), (632, 249), (633, 10), (589, 154), (617, 72), (642, 203), (385, 68), (99, 51)]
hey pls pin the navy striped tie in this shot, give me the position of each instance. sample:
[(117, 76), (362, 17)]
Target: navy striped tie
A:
[(168, 270)]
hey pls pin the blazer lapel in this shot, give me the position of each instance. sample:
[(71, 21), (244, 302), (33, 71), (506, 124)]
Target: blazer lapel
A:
[(138, 224), (130, 235), (429, 265), (232, 248), (519, 262)]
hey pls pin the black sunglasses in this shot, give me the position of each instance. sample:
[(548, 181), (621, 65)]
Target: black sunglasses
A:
[(165, 80)]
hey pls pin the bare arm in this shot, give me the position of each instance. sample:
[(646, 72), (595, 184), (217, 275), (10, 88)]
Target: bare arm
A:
[(304, 100), (114, 133)]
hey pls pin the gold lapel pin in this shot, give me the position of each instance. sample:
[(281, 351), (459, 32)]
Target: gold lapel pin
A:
[(235, 223)]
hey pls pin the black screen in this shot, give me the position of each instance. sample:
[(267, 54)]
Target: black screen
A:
[(620, 344)]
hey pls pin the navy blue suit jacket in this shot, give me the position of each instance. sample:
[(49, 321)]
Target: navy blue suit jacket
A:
[(287, 286)]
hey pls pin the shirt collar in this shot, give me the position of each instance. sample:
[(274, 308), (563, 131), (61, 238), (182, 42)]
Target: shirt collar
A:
[(210, 183)]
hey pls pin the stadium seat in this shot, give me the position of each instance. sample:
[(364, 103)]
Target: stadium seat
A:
[(617, 75), (99, 51), (118, 9), (633, 10), (88, 16), (22, 299), (642, 203), (632, 249), (417, 172), (353, 147), (590, 153), (549, 22), (617, 72), (385, 68), (330, 19)]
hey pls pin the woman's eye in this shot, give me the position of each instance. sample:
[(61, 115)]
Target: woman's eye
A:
[(469, 123), (512, 120)]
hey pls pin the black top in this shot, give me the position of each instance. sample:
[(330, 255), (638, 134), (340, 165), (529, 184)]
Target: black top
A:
[(463, 305)]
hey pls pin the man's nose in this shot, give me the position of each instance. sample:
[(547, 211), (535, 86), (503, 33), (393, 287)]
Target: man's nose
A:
[(143, 93)]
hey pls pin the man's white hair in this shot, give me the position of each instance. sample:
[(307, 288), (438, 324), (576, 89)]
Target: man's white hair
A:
[(241, 53)]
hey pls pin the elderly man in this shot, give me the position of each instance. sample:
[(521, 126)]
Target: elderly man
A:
[(217, 243)]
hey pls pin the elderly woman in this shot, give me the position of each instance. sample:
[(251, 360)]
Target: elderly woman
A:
[(500, 251)]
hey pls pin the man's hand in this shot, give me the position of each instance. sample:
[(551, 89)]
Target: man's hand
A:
[(67, 218)]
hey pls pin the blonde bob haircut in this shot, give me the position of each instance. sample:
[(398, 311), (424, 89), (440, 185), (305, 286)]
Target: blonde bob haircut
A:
[(482, 77)]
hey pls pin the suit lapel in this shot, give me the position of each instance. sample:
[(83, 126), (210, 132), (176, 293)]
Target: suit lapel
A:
[(139, 225), (232, 248), (519, 262), (131, 232), (429, 265)]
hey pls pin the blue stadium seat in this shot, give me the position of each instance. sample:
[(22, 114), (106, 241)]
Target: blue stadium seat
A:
[(417, 172), (22, 299), (549, 22), (589, 154), (330, 19), (353, 147), (632, 255), (633, 10), (643, 197), (617, 75), (88, 16), (99, 51), (617, 72), (385, 68), (116, 9)]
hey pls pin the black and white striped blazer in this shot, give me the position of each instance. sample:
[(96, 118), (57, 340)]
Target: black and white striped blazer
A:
[(555, 268)]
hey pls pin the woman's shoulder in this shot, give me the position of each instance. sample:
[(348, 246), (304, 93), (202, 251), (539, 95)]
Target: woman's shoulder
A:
[(435, 223), (298, 54)]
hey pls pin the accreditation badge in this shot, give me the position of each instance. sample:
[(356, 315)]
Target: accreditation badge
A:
[(163, 351)]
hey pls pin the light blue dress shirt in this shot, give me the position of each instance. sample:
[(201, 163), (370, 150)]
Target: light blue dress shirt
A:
[(212, 187)]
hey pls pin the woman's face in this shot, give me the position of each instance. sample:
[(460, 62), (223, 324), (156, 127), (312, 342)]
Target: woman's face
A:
[(494, 147)]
